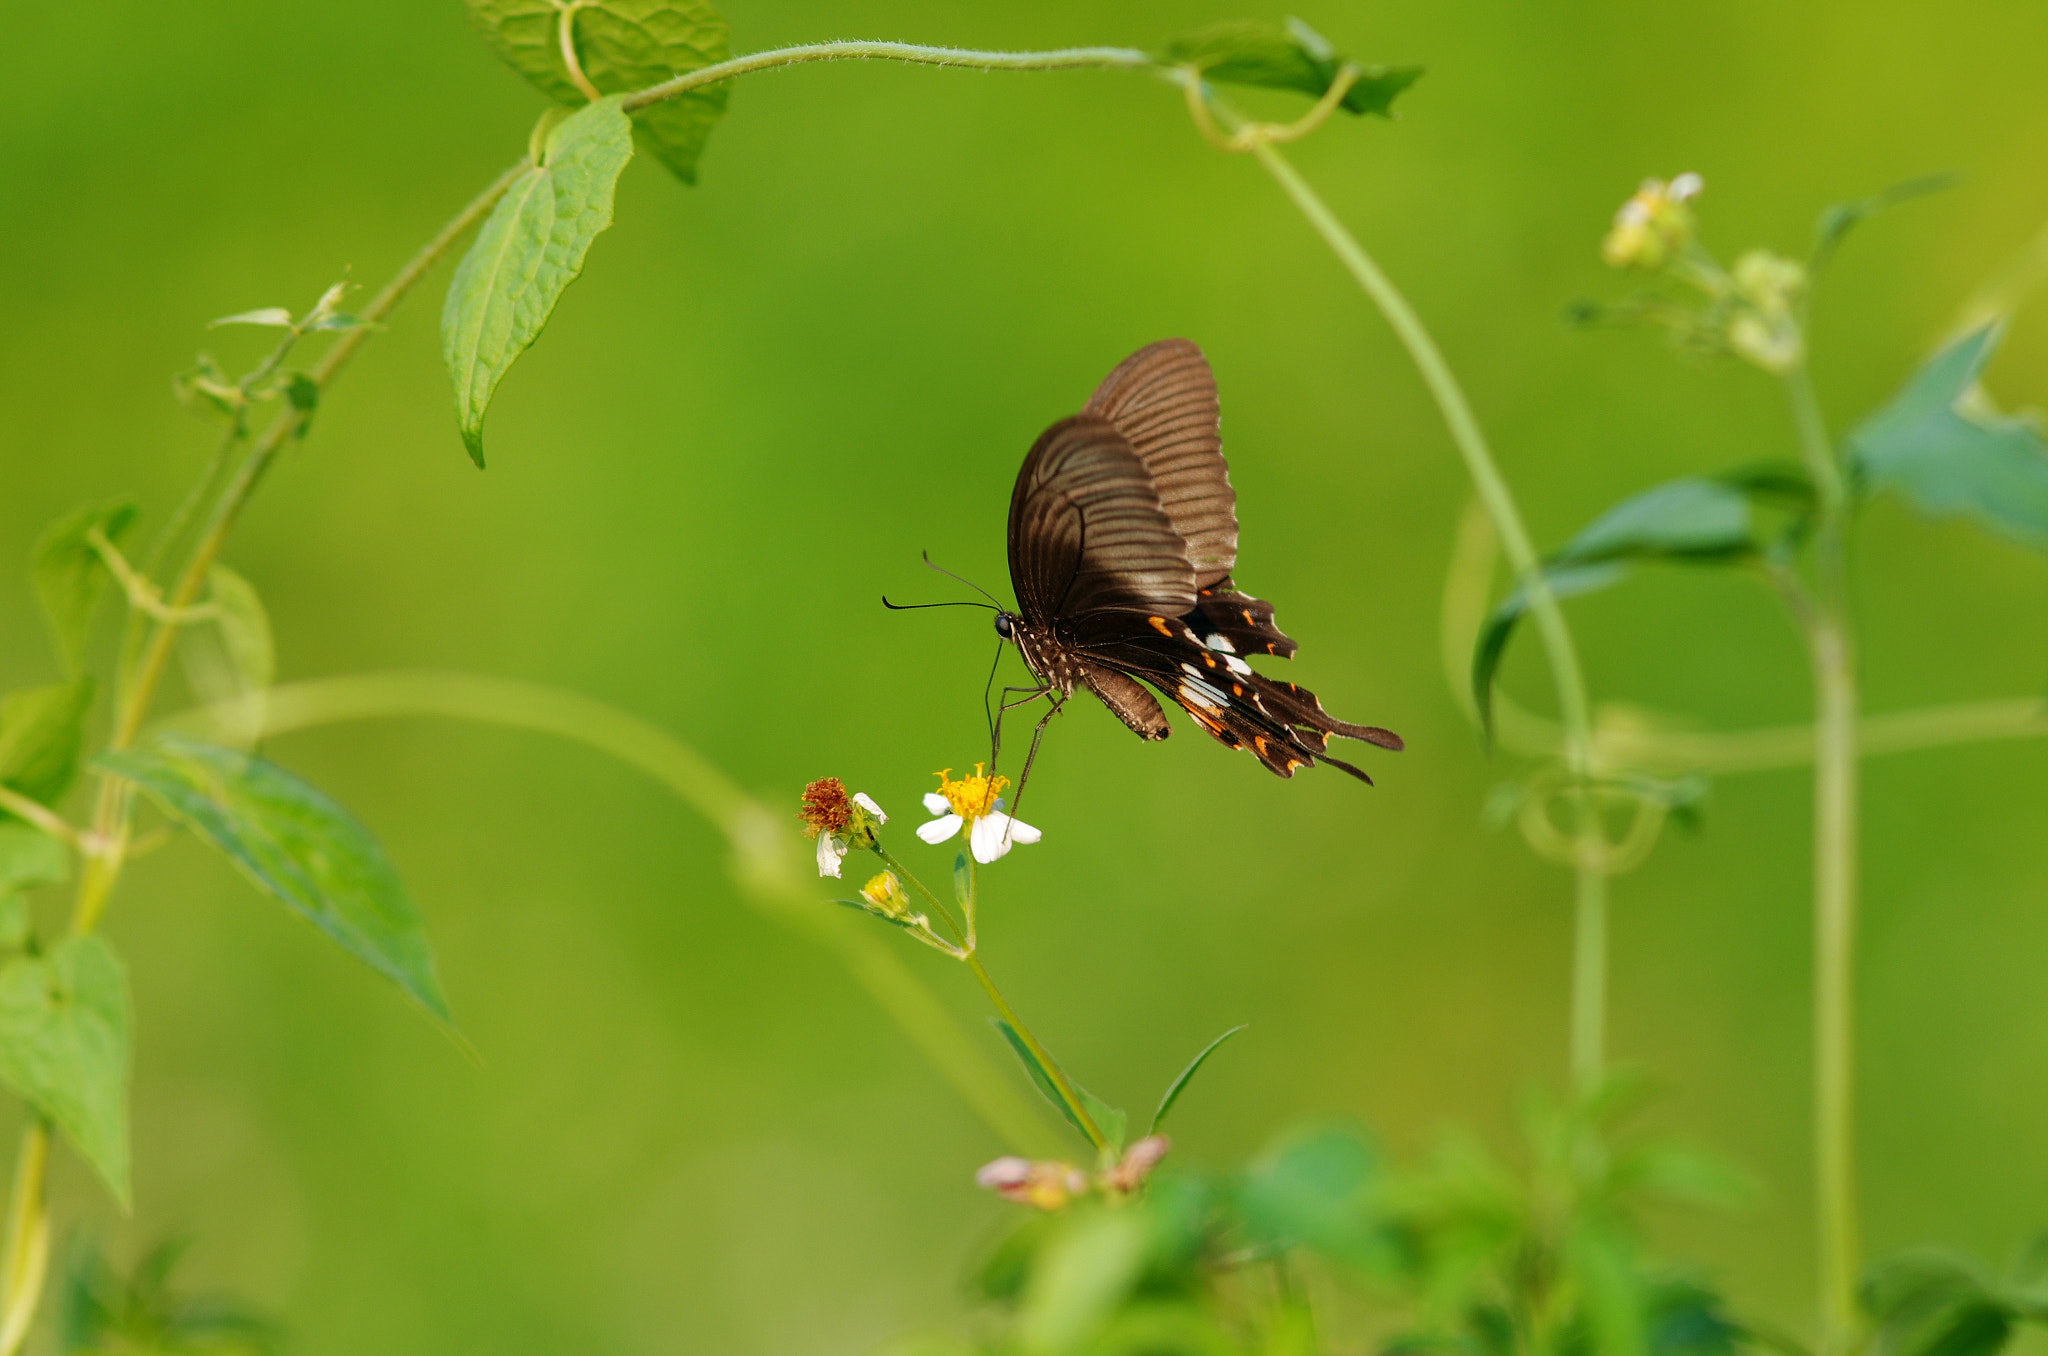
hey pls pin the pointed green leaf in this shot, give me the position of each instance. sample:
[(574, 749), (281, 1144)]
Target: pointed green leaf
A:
[(1939, 444), (1109, 1120), (70, 576), (963, 880), (296, 845), (529, 250), (42, 733), (1294, 56), (1173, 1092), (1698, 520), (64, 1036), (622, 46), (1837, 221)]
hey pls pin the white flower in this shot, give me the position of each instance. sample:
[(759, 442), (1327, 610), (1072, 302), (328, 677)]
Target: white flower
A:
[(832, 851), (971, 803)]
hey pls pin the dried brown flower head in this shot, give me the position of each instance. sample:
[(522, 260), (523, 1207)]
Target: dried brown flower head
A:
[(826, 807)]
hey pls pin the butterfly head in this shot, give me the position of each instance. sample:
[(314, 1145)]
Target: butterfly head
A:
[(1007, 624)]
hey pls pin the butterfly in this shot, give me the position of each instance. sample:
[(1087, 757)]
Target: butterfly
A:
[(1123, 537)]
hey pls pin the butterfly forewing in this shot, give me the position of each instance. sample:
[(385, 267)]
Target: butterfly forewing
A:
[(1087, 534), (1163, 400)]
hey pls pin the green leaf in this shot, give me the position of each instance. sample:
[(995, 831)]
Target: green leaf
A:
[(1317, 1188), (297, 845), (1173, 1092), (235, 660), (1710, 521), (963, 880), (70, 576), (1295, 57), (28, 858), (1837, 221), (1108, 1119), (527, 253), (42, 733), (622, 46), (1939, 444), (64, 1036)]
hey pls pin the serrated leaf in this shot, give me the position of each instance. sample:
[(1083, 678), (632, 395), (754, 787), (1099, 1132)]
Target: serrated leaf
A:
[(1694, 519), (64, 1040), (297, 846), (1293, 57), (276, 316), (1108, 1119), (42, 734), (1943, 448), (70, 576), (1174, 1090), (622, 46), (527, 253)]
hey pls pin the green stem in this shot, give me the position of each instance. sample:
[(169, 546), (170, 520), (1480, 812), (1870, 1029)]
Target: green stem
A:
[(1070, 1098), (1069, 58), (1831, 640), (1574, 710)]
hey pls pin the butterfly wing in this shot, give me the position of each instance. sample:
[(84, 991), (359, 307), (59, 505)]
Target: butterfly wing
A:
[(1163, 400), (1283, 724), (1088, 538)]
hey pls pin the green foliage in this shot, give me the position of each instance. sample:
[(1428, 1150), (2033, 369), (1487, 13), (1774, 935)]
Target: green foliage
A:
[(1318, 1189), (70, 575), (1180, 1082), (28, 858), (1108, 1119), (963, 881), (64, 1043), (528, 251), (102, 1311), (621, 46), (296, 845), (234, 659), (1291, 56), (1936, 1303), (1941, 445), (42, 735), (1710, 521)]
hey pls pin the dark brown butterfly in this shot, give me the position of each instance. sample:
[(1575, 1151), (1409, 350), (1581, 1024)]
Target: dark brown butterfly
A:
[(1123, 536)]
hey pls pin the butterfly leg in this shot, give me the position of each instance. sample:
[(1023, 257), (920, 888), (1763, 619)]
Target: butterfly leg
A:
[(1037, 733), (995, 733)]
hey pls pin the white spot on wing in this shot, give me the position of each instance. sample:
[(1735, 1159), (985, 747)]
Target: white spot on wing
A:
[(1237, 666), (1221, 644), (1191, 691)]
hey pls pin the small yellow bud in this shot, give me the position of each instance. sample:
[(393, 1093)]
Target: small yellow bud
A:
[(1653, 225), (1765, 326), (886, 893)]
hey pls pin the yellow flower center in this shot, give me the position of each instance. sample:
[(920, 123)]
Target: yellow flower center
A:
[(972, 797)]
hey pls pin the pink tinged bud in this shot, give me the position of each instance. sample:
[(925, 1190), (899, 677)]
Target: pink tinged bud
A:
[(1137, 1164), (1003, 1172)]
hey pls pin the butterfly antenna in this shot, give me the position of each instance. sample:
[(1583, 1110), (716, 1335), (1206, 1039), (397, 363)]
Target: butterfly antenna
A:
[(912, 607), (930, 564)]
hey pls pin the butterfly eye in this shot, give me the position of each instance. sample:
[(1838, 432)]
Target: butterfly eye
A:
[(1006, 626)]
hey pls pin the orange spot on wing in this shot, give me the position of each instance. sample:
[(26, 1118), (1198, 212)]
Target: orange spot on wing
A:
[(1209, 660), (1249, 620), (1159, 625)]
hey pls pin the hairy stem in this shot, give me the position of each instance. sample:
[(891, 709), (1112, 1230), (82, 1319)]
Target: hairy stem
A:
[(1831, 640), (1588, 1027), (1070, 58)]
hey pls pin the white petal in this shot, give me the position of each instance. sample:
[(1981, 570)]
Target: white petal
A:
[(831, 851), (986, 839), (860, 798), (1020, 832), (936, 831), (937, 803)]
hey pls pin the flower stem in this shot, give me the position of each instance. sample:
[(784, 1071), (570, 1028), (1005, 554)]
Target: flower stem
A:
[(1831, 641), (908, 877), (1589, 1020), (1068, 1096)]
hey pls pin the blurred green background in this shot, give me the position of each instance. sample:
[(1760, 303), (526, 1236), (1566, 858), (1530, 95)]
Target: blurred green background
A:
[(689, 1131)]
